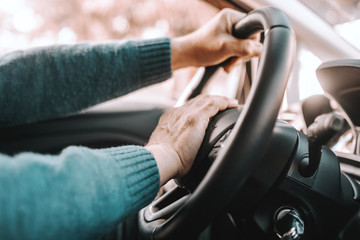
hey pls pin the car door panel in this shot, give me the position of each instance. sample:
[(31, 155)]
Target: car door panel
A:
[(93, 129)]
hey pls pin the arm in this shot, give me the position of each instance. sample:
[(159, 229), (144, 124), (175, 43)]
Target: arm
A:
[(80, 194), (83, 192), (53, 81)]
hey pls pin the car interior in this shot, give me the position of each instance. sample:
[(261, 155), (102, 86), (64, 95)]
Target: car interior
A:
[(257, 174)]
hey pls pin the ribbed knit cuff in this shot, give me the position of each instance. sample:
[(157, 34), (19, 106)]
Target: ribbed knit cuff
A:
[(140, 171), (155, 60)]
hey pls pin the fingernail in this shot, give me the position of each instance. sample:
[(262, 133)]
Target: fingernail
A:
[(259, 46), (234, 102)]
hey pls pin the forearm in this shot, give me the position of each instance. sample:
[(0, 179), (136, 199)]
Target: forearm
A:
[(79, 194), (49, 82)]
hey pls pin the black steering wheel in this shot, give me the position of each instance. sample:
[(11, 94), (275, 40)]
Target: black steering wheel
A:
[(180, 214)]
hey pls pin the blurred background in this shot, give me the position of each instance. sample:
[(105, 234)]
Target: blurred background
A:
[(27, 23), (31, 23), (344, 15)]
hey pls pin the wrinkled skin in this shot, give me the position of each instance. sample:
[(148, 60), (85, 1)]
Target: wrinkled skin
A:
[(179, 134)]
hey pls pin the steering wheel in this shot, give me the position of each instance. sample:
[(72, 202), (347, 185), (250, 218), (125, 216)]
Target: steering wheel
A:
[(180, 213)]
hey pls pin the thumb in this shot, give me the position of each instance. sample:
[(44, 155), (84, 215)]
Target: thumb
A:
[(234, 16), (230, 63), (245, 50)]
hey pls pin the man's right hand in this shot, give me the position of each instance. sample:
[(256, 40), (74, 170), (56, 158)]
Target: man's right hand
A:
[(214, 43), (180, 132)]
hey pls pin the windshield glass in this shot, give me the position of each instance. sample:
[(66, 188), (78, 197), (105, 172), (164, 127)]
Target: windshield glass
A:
[(344, 15)]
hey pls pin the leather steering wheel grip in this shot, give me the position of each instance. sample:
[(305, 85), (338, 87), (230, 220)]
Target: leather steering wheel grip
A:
[(249, 138)]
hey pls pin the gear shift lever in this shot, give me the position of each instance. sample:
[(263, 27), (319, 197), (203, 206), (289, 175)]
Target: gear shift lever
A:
[(319, 133)]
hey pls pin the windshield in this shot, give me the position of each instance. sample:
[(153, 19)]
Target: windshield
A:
[(344, 15)]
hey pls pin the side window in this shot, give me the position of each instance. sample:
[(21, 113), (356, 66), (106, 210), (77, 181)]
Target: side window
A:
[(308, 83), (302, 84)]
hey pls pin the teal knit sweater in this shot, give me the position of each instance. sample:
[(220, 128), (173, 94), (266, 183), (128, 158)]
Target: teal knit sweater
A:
[(80, 193)]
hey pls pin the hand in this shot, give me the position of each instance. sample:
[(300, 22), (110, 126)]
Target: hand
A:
[(214, 43), (180, 132)]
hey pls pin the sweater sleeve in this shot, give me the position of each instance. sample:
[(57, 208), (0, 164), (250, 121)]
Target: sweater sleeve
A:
[(79, 194), (48, 82)]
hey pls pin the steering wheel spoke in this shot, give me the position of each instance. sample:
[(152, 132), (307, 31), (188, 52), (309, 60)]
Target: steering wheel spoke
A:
[(167, 204)]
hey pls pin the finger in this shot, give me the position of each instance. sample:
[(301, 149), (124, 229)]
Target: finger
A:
[(231, 63), (232, 15), (223, 101), (246, 49), (231, 103), (211, 105), (229, 17), (255, 36)]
